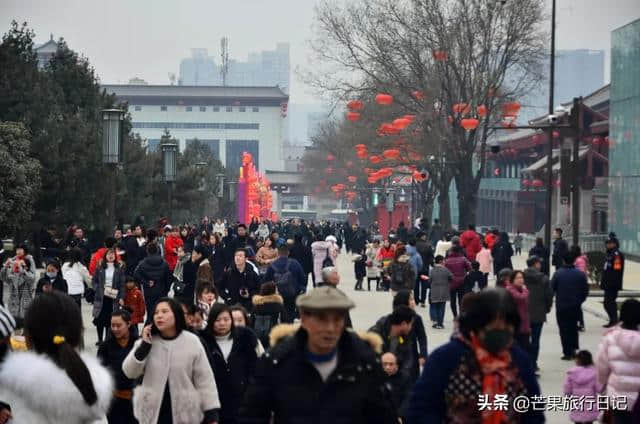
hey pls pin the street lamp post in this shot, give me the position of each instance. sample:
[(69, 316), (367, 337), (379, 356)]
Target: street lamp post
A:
[(112, 139), (552, 69), (202, 184), (169, 168)]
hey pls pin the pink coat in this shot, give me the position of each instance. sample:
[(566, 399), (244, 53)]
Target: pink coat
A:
[(582, 381), (319, 251), (581, 263), (618, 363), (485, 260), (521, 296)]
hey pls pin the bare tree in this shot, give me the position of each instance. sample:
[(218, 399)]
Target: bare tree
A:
[(478, 52)]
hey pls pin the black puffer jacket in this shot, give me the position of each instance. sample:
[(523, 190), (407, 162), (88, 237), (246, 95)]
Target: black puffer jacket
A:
[(232, 375), (153, 268), (288, 385)]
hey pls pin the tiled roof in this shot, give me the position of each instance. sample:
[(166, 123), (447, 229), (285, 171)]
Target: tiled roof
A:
[(186, 91)]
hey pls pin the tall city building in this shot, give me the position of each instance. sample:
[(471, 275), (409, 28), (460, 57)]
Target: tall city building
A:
[(266, 68), (577, 73)]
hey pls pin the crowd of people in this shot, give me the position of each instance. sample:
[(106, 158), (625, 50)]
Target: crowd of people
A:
[(221, 323)]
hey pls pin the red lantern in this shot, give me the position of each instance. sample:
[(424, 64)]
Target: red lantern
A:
[(469, 124), (418, 95), (415, 156), (556, 134), (353, 116), (461, 108), (510, 109), (355, 105), (440, 55), (362, 154), (352, 178), (526, 183), (481, 110), (330, 157), (597, 141), (375, 159), (537, 183), (391, 153), (384, 99), (401, 123), (372, 179), (387, 129), (361, 147), (496, 172)]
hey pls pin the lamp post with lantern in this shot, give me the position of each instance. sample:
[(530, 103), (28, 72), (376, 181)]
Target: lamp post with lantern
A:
[(112, 151)]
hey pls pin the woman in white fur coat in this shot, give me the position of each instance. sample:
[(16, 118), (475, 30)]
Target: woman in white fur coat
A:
[(178, 386), (53, 383)]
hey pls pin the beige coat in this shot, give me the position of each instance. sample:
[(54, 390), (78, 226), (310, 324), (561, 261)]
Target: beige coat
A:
[(184, 363)]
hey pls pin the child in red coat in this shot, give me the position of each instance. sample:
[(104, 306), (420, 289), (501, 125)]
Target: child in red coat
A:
[(134, 300)]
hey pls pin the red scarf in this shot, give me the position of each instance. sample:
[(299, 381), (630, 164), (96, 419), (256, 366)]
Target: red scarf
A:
[(494, 373)]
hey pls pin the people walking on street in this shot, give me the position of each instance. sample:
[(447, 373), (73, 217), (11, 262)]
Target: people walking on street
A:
[(111, 354), (153, 276), (502, 253), (503, 277), (233, 359), (54, 382), (440, 281), (540, 302), (426, 252), (517, 243), (18, 273), (108, 285), (443, 246), (133, 299), (474, 280), (360, 268), (470, 242), (582, 381), (541, 252), (395, 330), (319, 372), (290, 280), (400, 272), (302, 253), (560, 248), (399, 384), (612, 277), (520, 293), (76, 275), (485, 260), (266, 255), (581, 263), (571, 289), (459, 266), (52, 279), (479, 361), (418, 335), (206, 297), (323, 251), (240, 281), (177, 381), (436, 233), (618, 358), (374, 264), (268, 310), (171, 244)]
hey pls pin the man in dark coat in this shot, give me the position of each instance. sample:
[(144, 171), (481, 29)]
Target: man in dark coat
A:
[(282, 267), (398, 383), (240, 282), (560, 248), (436, 233), (303, 255), (153, 275), (571, 289), (320, 372), (611, 281), (540, 302)]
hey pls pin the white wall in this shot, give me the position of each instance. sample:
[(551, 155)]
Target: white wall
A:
[(269, 134)]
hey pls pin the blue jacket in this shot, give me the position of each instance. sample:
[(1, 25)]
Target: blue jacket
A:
[(414, 259), (294, 266), (427, 403), (570, 287)]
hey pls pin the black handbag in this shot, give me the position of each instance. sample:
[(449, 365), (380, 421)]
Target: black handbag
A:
[(178, 287), (327, 262), (89, 294)]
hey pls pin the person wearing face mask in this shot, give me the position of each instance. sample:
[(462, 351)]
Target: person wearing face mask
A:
[(480, 362), (52, 279), (19, 274), (233, 358)]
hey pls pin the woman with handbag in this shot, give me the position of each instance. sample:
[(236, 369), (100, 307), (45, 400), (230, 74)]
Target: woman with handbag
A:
[(108, 283), (77, 276)]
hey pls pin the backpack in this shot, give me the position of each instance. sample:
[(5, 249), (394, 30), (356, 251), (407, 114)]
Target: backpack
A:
[(262, 327), (285, 282), (327, 262)]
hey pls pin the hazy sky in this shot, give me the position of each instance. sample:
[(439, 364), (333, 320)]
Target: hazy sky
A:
[(148, 38)]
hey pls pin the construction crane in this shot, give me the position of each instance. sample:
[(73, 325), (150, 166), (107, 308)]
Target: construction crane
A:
[(224, 56)]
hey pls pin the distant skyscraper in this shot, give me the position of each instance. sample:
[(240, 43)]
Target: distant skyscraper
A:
[(199, 69), (266, 68), (578, 73)]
